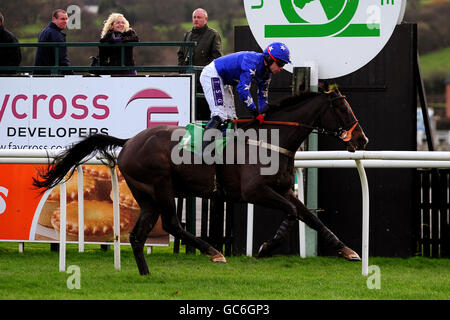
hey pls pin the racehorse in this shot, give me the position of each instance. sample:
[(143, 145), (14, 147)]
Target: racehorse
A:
[(146, 163)]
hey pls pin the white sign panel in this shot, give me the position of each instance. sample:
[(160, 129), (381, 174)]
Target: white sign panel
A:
[(52, 113), (340, 36)]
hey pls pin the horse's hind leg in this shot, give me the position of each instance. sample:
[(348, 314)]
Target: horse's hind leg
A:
[(138, 236), (267, 247)]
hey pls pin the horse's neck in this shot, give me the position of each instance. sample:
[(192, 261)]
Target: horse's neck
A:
[(291, 137)]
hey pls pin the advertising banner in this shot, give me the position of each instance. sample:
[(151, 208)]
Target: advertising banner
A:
[(51, 114)]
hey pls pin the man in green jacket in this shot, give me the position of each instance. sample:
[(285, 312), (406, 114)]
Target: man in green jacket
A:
[(209, 43), (209, 47)]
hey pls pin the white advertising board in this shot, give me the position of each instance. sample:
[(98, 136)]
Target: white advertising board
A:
[(52, 113), (340, 36)]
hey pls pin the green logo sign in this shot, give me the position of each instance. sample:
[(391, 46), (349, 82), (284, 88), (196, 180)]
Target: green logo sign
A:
[(338, 15), (315, 30)]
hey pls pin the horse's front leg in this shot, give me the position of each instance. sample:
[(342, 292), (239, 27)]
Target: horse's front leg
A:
[(315, 223)]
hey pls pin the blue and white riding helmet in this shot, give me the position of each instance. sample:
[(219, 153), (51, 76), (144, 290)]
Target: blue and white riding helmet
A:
[(278, 51)]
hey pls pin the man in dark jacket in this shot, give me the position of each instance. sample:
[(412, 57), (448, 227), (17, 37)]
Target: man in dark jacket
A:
[(209, 43), (9, 56), (45, 56), (209, 47)]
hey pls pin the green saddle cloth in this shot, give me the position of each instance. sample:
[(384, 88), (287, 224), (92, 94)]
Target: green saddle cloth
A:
[(192, 141)]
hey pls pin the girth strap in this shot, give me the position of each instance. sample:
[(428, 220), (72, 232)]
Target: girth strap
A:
[(266, 145)]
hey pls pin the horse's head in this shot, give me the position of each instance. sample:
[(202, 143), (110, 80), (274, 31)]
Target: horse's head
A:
[(340, 118)]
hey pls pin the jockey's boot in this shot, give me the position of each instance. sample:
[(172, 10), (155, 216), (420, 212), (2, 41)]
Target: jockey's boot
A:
[(214, 123)]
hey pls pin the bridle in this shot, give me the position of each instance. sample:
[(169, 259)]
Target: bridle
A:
[(341, 133)]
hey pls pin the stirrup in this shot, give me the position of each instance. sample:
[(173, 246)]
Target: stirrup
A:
[(214, 123)]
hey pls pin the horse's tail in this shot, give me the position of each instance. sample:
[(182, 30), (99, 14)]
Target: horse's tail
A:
[(76, 155)]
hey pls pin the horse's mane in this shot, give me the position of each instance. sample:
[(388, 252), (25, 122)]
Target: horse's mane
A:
[(295, 100)]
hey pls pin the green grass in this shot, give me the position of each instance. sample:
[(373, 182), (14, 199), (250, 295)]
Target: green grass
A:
[(435, 62), (34, 275)]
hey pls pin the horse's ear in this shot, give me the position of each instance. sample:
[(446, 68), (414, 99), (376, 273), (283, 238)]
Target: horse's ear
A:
[(323, 86), (332, 88)]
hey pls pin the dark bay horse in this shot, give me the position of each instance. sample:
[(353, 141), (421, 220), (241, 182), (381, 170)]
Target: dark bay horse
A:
[(147, 164)]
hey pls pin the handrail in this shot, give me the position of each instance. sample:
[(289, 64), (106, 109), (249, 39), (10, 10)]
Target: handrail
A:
[(55, 69), (101, 44), (189, 68), (373, 155)]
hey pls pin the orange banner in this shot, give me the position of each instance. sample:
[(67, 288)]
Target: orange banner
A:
[(19, 199), (28, 215)]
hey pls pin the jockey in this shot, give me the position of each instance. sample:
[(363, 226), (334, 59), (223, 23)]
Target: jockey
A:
[(241, 69)]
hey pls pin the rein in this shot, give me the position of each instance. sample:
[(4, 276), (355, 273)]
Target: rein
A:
[(344, 135), (285, 123)]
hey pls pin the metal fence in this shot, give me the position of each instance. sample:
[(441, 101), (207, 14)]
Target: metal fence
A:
[(432, 215), (56, 68)]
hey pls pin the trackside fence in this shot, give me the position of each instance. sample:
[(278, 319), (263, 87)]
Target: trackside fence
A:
[(56, 68), (317, 159), (430, 235), (433, 213)]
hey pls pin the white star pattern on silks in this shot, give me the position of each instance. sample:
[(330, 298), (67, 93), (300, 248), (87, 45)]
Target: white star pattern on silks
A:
[(249, 101), (252, 72), (270, 48), (266, 93), (247, 87), (283, 48)]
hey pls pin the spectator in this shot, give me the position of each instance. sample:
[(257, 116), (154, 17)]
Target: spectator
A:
[(9, 56), (209, 47), (209, 43), (117, 29), (45, 56)]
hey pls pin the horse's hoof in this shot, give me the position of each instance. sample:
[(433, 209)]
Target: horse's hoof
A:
[(263, 251), (219, 258), (349, 254), (144, 273)]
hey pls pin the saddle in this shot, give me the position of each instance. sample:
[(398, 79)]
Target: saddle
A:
[(192, 141)]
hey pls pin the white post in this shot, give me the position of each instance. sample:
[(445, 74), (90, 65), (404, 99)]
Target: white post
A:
[(301, 224), (62, 227), (365, 223), (116, 213), (80, 210), (21, 247), (249, 250)]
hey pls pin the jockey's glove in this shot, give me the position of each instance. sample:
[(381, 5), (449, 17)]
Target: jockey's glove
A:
[(260, 118)]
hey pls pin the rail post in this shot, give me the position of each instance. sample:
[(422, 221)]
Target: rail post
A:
[(62, 227), (365, 222)]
